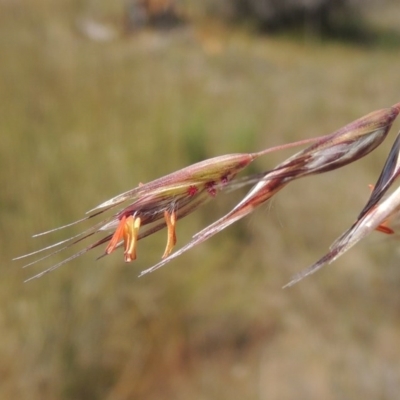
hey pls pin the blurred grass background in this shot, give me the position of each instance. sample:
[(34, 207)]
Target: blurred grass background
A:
[(82, 121)]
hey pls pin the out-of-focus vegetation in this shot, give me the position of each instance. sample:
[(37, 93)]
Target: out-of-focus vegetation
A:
[(333, 19), (83, 120), (320, 16)]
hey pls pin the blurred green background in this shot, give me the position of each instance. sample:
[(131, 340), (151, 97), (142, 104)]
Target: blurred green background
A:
[(84, 117)]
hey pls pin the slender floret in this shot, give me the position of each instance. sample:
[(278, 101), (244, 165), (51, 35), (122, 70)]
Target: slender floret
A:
[(375, 215), (155, 205), (330, 152)]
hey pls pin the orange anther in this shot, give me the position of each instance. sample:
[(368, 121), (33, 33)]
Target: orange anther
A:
[(131, 231), (118, 235), (170, 220), (385, 229)]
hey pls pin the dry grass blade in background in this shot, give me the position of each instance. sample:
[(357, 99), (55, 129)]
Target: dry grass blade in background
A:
[(374, 216), (159, 203), (333, 151)]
